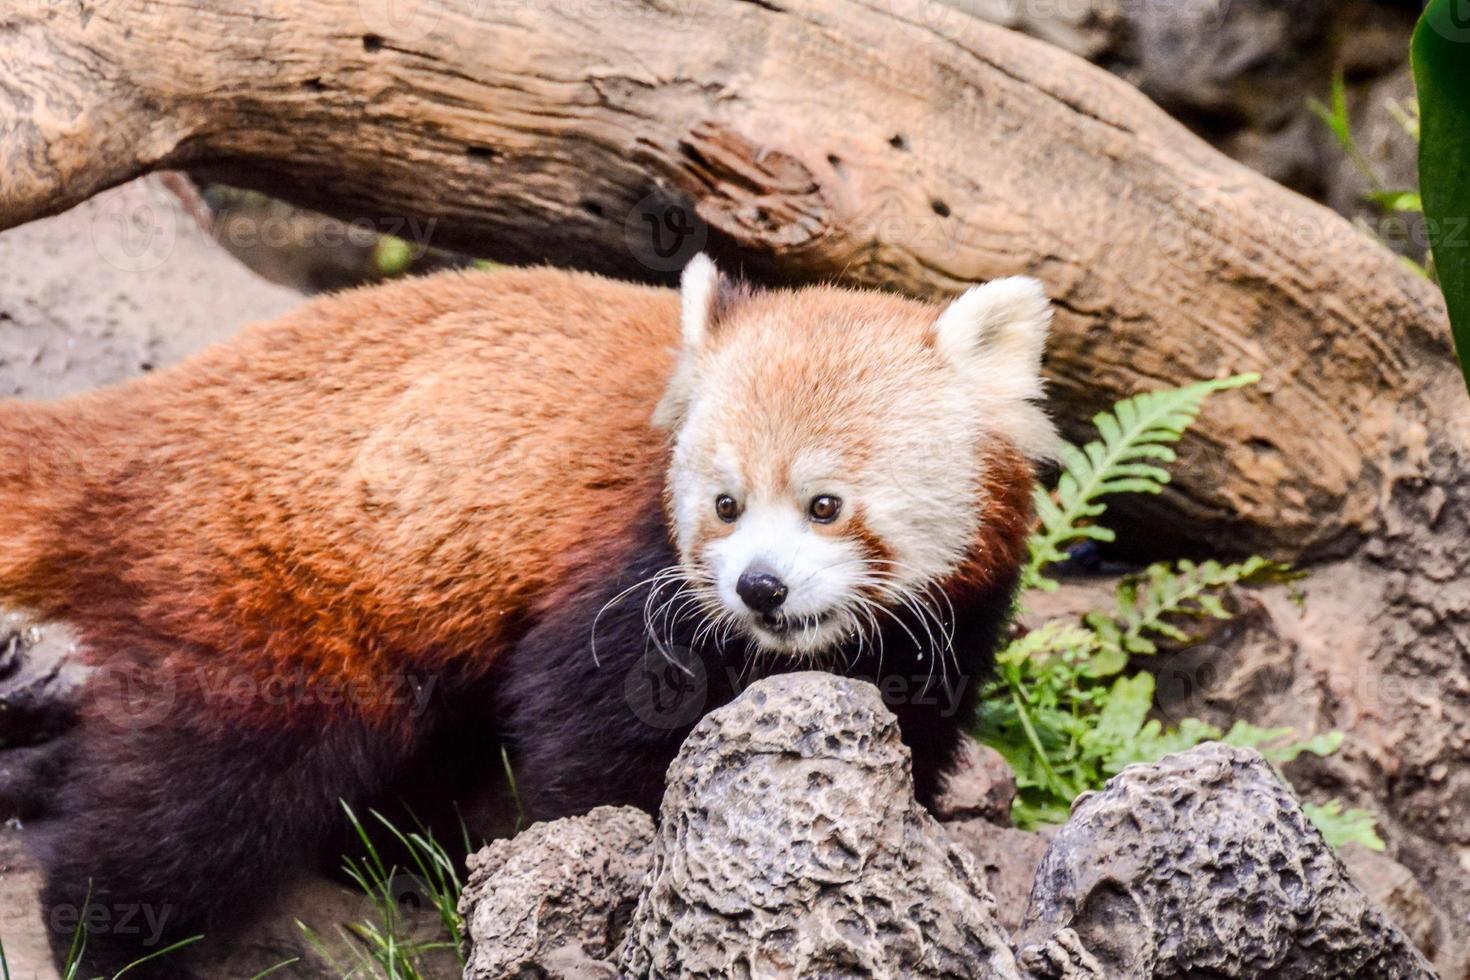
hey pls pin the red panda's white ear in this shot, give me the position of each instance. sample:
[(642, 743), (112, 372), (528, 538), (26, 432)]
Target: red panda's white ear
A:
[(699, 292), (1001, 326), (995, 335), (699, 288)]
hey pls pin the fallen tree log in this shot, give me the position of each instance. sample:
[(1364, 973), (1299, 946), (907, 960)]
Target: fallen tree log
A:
[(887, 143)]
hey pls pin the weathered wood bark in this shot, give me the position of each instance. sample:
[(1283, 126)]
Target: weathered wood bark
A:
[(883, 142)]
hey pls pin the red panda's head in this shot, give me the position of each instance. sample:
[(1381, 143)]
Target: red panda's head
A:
[(831, 446)]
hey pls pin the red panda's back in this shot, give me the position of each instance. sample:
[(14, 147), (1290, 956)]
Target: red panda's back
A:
[(385, 478)]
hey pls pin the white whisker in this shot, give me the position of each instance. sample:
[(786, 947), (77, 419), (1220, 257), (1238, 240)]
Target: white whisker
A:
[(661, 574)]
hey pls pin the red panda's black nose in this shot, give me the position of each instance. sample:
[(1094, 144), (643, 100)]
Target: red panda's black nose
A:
[(761, 591)]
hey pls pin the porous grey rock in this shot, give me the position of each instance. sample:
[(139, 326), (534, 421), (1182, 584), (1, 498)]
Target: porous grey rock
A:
[(1205, 865), (555, 900), (790, 844), (1061, 957), (1239, 73)]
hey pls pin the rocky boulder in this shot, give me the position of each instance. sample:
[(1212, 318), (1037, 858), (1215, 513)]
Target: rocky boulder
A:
[(555, 900), (1205, 865), (790, 843)]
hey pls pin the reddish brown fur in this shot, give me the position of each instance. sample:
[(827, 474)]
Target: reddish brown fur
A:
[(1006, 516), (321, 496), (791, 410)]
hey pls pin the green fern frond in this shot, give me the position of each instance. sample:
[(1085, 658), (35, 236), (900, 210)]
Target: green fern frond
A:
[(1148, 604), (1064, 710), (1339, 826), (1054, 637), (1135, 439)]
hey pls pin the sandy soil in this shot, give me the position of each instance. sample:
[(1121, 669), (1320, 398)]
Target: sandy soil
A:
[(20, 918), (120, 285)]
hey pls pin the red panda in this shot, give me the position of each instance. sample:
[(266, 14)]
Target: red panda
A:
[(532, 509)]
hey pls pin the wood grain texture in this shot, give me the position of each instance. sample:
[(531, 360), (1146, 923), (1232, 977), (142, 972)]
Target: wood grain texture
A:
[(889, 143)]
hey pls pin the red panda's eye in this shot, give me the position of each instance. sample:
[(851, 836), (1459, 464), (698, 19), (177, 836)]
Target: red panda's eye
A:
[(727, 508), (824, 508)]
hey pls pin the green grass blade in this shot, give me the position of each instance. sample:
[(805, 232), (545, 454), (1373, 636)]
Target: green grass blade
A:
[(373, 859), (272, 969), (464, 828), (515, 792), (174, 947), (78, 940)]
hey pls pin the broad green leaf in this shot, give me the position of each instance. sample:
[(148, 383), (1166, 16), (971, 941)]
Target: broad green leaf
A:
[(1029, 814), (1405, 201), (1321, 744), (1277, 744), (1105, 663), (1441, 57), (1247, 736), (1153, 742)]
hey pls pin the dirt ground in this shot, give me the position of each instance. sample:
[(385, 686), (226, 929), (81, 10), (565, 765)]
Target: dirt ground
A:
[(21, 928), (118, 286)]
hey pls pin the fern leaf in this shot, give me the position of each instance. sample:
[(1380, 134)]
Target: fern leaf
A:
[(1152, 602), (1133, 437), (1339, 827), (1055, 636)]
